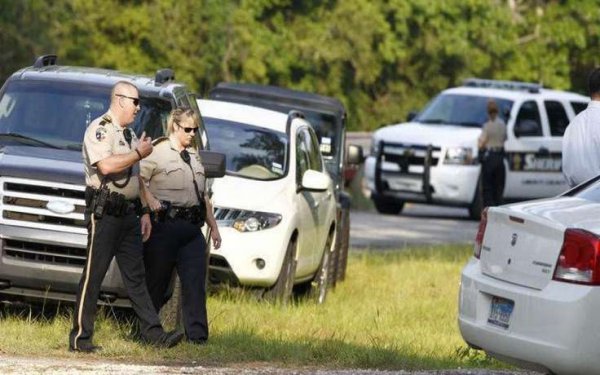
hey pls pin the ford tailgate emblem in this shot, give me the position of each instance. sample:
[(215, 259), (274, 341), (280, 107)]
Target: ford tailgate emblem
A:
[(513, 241), (60, 207)]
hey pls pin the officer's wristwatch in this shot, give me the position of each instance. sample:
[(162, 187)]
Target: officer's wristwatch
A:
[(146, 210)]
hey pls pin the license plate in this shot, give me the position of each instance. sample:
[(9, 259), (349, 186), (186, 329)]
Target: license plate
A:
[(500, 311), (407, 185)]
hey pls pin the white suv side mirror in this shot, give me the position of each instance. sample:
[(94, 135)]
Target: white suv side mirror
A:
[(315, 181)]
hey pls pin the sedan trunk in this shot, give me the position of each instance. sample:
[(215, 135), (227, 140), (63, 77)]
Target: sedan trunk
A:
[(520, 248)]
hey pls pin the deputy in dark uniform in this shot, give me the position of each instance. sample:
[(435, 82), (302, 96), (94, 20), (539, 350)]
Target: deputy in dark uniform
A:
[(111, 153), (491, 149), (175, 193)]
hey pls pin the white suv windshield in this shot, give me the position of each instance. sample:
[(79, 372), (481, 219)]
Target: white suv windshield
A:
[(462, 110), (251, 152)]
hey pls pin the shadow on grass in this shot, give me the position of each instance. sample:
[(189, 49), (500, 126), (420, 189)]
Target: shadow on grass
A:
[(48, 311), (238, 347), (243, 346)]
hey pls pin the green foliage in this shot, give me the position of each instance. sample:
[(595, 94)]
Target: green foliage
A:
[(381, 58)]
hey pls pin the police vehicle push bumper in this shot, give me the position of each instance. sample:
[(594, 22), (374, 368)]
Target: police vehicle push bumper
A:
[(418, 173)]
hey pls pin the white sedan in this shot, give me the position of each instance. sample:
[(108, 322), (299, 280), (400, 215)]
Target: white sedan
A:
[(530, 295), (275, 207)]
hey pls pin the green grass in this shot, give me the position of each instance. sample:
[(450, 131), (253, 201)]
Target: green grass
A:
[(395, 310)]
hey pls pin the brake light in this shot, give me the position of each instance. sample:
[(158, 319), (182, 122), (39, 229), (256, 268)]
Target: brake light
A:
[(579, 259), (480, 233)]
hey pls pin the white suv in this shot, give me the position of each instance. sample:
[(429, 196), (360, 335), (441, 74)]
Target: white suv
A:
[(276, 206), (433, 158)]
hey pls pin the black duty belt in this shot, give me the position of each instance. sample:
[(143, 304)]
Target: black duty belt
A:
[(195, 214), (103, 201), (495, 149)]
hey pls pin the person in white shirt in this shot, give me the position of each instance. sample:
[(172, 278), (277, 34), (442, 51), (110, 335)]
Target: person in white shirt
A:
[(581, 141)]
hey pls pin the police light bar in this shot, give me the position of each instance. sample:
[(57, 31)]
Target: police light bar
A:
[(507, 85)]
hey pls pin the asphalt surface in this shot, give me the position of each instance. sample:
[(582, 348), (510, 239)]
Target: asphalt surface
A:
[(418, 224)]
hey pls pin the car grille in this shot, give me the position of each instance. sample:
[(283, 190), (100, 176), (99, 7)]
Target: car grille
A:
[(42, 253), (25, 204), (407, 156)]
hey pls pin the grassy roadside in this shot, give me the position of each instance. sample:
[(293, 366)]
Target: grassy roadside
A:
[(396, 310)]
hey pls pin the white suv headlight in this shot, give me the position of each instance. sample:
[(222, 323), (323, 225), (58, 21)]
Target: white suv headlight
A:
[(459, 155), (247, 221)]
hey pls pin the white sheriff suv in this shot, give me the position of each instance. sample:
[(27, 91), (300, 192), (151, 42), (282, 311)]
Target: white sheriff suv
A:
[(275, 207), (433, 157)]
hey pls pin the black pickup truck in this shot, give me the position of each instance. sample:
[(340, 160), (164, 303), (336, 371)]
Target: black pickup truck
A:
[(327, 116)]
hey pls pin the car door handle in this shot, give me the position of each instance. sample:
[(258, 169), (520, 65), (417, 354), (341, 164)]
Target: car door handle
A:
[(543, 151)]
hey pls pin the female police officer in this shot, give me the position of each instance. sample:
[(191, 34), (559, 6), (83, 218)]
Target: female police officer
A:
[(491, 149), (175, 179)]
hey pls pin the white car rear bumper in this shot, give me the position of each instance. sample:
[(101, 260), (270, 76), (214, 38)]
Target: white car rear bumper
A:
[(554, 328)]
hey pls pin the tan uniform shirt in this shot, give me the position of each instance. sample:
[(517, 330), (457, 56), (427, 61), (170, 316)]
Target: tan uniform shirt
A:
[(170, 178), (103, 138), (496, 133)]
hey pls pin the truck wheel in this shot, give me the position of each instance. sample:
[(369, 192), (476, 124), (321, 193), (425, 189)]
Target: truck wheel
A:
[(171, 313), (388, 206), (476, 206), (281, 291), (344, 246)]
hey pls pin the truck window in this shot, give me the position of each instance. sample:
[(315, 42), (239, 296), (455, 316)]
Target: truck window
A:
[(461, 110), (528, 121), (58, 113), (314, 154), (557, 117), (578, 106)]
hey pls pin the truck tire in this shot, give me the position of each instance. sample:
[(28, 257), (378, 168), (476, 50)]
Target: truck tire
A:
[(171, 315), (476, 206), (388, 206), (344, 234)]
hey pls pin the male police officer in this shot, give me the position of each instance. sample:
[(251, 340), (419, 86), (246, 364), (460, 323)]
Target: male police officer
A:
[(111, 152)]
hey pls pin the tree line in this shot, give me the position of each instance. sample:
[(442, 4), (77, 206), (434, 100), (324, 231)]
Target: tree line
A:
[(381, 58)]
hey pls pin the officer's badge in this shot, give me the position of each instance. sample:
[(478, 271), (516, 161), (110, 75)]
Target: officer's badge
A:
[(100, 134)]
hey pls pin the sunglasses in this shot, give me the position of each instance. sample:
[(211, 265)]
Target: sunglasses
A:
[(136, 101), (188, 130)]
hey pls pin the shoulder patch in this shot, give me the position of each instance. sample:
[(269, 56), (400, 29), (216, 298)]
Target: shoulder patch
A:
[(159, 140), (100, 134)]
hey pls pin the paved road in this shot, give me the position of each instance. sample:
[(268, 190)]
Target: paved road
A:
[(417, 225)]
